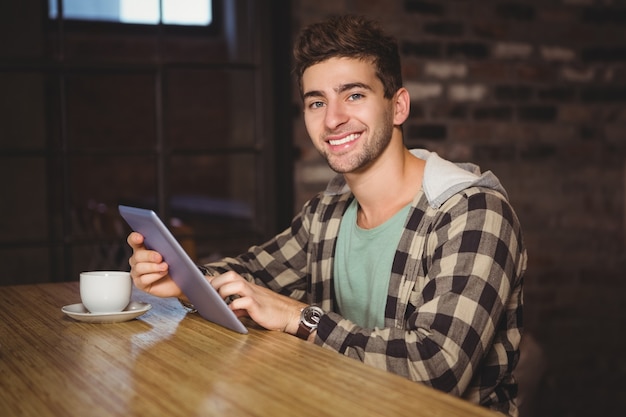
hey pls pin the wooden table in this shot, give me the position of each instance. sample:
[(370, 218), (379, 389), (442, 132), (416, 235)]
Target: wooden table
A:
[(170, 363)]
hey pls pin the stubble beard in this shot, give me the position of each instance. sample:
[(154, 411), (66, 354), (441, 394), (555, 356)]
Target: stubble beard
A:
[(370, 151)]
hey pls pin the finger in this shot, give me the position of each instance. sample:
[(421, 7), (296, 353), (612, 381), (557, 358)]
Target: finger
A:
[(139, 270), (140, 252), (242, 304), (145, 281), (142, 268), (234, 290), (135, 240), (145, 255), (241, 313), (225, 278), (147, 262)]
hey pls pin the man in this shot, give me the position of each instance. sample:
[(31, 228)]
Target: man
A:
[(413, 264)]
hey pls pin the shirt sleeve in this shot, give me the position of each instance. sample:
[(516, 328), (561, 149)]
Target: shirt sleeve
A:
[(471, 267)]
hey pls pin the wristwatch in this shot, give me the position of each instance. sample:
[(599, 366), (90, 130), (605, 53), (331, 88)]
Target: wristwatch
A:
[(309, 319)]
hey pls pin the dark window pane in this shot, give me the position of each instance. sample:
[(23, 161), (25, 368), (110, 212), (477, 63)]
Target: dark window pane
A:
[(109, 111), (209, 109), (215, 195), (23, 201), (23, 111), (99, 184), (104, 255), (24, 265)]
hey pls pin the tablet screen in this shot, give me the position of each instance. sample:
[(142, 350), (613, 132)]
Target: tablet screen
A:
[(181, 268)]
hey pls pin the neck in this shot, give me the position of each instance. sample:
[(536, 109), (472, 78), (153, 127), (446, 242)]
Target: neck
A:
[(386, 186)]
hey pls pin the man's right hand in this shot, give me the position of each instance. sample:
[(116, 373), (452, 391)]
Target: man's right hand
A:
[(148, 270)]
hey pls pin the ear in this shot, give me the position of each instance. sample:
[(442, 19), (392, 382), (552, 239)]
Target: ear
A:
[(402, 106)]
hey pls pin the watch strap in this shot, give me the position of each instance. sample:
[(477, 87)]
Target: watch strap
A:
[(303, 331)]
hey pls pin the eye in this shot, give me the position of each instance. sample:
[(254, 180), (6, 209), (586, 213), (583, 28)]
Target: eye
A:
[(316, 104), (355, 96)]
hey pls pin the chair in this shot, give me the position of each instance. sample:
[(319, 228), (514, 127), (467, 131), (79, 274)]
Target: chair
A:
[(529, 373)]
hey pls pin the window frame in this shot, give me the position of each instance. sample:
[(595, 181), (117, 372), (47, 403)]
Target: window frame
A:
[(104, 27)]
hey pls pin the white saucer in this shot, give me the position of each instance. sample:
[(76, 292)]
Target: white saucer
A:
[(79, 312)]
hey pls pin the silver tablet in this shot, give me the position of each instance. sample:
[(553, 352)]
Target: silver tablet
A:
[(181, 268)]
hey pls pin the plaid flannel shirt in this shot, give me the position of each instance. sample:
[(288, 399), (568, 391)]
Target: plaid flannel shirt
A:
[(453, 316)]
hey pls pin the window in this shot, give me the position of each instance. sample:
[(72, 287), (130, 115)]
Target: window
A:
[(146, 12), (171, 117)]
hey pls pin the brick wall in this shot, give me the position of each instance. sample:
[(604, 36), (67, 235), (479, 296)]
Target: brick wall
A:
[(535, 91)]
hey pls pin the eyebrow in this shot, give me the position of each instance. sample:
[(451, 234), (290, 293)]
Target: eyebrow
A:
[(339, 89)]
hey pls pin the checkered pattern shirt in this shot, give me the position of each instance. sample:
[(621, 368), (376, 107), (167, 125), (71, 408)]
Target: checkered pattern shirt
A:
[(453, 316)]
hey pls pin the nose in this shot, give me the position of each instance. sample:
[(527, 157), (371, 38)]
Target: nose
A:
[(335, 115)]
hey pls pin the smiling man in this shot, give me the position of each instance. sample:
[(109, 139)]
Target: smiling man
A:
[(406, 262)]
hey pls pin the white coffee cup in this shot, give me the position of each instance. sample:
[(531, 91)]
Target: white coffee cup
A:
[(105, 291)]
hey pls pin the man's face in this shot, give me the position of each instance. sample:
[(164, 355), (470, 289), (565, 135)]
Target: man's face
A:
[(345, 112)]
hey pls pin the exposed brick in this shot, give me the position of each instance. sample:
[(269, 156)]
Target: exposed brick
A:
[(490, 29), (515, 11), (456, 151), (428, 131), (580, 151), (578, 75), (604, 54), (445, 28), (472, 132), (619, 116), (463, 92), (458, 112), (549, 14), (556, 93), (448, 110), (604, 15), (493, 113), (495, 152), (445, 69), (537, 113), (411, 69), (579, 2), (476, 50), (489, 70), (554, 53), (609, 94), (575, 113), (588, 132), (513, 92), (615, 135), (551, 132), (417, 111), (509, 50), (610, 75), (538, 151), (539, 72), (423, 91), (424, 7), (422, 49)]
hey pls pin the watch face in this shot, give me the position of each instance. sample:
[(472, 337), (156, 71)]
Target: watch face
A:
[(311, 316)]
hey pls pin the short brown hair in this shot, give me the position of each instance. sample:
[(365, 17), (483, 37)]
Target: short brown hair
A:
[(349, 36)]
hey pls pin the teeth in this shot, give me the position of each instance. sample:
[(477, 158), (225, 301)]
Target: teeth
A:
[(347, 139)]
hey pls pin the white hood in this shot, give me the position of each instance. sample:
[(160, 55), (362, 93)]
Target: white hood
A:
[(442, 178)]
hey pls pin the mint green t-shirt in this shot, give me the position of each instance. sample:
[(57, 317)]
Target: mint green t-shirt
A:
[(362, 269)]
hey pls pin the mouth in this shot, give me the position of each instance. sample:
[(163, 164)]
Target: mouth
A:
[(345, 140)]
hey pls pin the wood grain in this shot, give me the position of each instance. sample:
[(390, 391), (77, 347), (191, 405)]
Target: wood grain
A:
[(170, 363)]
